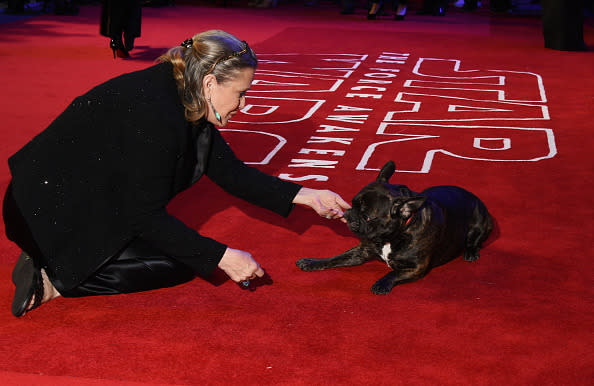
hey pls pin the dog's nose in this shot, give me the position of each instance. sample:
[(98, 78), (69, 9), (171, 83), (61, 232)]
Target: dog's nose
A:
[(347, 214)]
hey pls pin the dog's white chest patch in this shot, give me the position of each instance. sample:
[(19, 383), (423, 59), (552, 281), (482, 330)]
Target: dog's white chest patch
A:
[(386, 251)]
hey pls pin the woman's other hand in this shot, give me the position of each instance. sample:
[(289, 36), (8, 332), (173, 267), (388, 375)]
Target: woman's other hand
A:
[(240, 265), (325, 202)]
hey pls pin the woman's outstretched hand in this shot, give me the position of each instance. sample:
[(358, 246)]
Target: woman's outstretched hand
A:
[(240, 265), (325, 202)]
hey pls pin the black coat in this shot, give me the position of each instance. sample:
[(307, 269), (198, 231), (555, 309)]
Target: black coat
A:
[(104, 171), (119, 16)]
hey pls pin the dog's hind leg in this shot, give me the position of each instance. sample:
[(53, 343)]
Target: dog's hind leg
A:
[(478, 232), (354, 256)]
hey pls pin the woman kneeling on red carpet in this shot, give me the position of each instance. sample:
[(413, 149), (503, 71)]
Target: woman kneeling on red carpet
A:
[(88, 196)]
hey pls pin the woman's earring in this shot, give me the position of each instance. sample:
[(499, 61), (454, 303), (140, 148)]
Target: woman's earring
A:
[(216, 113)]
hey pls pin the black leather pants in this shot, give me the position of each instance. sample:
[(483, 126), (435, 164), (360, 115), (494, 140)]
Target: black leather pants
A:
[(139, 267)]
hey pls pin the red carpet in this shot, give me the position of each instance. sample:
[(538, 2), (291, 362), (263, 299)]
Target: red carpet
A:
[(468, 99)]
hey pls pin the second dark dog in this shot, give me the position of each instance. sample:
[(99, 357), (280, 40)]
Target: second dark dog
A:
[(411, 232)]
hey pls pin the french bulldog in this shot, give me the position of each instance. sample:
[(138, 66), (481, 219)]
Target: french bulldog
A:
[(412, 232)]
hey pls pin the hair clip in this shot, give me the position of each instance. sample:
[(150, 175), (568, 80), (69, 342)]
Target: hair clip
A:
[(237, 53), (188, 43), (234, 54)]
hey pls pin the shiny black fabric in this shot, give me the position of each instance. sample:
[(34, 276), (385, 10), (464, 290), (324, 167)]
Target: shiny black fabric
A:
[(139, 267)]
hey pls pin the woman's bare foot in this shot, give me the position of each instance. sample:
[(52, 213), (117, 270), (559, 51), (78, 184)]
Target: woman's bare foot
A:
[(49, 291)]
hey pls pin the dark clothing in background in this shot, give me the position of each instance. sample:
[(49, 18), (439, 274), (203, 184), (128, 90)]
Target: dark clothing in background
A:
[(120, 16), (563, 24)]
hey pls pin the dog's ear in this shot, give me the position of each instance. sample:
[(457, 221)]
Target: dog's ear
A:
[(386, 172), (411, 205)]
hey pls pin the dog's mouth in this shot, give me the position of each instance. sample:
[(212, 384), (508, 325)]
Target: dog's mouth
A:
[(359, 226), (368, 227), (352, 221)]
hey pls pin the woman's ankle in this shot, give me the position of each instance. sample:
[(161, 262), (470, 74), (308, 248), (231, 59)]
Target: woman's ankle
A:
[(49, 291)]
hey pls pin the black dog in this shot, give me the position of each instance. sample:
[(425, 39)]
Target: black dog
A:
[(412, 232)]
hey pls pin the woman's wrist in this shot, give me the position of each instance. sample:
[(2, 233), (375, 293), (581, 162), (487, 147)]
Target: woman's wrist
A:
[(303, 196)]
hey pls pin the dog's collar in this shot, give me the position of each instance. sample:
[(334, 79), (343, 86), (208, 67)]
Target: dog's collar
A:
[(409, 220)]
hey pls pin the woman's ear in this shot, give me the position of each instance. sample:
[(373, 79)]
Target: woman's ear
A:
[(208, 82)]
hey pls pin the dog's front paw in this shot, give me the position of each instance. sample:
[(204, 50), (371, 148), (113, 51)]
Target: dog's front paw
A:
[(380, 288), (384, 285), (310, 264)]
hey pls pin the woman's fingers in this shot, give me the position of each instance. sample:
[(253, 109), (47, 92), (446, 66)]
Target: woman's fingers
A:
[(259, 272), (239, 265)]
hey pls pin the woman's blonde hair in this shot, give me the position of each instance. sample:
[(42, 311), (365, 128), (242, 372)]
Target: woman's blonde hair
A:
[(211, 52)]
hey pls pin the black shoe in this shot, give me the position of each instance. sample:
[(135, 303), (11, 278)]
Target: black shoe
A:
[(128, 42), (117, 46), (29, 283)]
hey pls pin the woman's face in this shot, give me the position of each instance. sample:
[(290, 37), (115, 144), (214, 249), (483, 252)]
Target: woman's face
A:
[(228, 97)]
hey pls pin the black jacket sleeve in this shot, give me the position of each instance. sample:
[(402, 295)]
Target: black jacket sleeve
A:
[(247, 182)]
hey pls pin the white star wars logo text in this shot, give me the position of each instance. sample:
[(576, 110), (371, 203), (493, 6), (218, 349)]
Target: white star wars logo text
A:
[(479, 115)]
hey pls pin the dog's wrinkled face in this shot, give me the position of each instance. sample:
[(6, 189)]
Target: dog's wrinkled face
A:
[(370, 215), (380, 210)]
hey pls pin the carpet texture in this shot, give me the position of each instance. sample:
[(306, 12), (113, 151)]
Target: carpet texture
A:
[(469, 99)]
